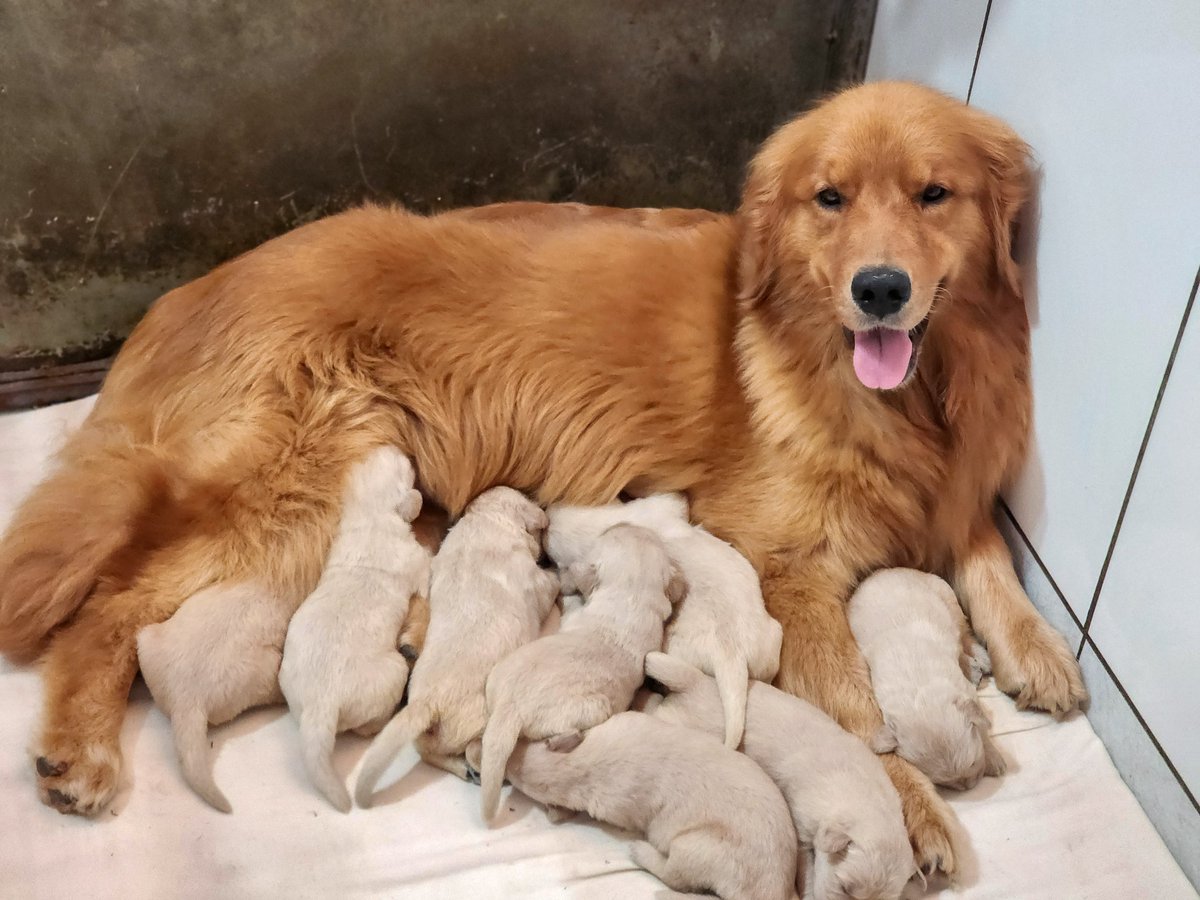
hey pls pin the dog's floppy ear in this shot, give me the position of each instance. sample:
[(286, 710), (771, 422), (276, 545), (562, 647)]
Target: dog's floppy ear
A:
[(971, 708), (1008, 177), (677, 586), (756, 225), (410, 507), (832, 837), (578, 578)]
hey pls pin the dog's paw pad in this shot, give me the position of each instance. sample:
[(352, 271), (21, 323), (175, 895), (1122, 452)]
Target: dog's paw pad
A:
[(47, 769)]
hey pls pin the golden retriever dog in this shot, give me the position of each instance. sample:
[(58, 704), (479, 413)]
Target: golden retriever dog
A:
[(836, 376)]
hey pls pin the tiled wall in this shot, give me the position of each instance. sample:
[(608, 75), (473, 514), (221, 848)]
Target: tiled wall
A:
[(1105, 518)]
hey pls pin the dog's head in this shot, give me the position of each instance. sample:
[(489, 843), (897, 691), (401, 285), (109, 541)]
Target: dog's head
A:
[(865, 217)]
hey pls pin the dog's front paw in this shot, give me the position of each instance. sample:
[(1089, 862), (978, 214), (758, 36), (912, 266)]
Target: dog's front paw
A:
[(81, 780), (1035, 666), (930, 821)]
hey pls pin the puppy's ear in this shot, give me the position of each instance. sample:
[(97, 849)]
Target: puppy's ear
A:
[(1008, 181), (832, 837), (677, 586), (578, 578), (974, 712), (535, 519), (883, 740), (410, 507), (993, 760)]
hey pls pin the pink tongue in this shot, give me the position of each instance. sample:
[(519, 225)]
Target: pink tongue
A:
[(881, 357)]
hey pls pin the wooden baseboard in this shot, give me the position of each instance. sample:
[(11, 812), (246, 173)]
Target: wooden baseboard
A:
[(51, 384)]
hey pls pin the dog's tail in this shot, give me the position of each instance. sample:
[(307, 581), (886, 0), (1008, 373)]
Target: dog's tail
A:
[(72, 526), (500, 737), (318, 731), (406, 726), (191, 744), (733, 684)]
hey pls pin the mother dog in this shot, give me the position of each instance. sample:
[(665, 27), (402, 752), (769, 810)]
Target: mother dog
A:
[(837, 376)]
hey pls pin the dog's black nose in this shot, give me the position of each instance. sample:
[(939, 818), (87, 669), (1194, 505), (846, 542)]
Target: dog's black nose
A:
[(881, 290)]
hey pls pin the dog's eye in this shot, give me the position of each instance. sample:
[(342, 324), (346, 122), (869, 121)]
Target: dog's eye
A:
[(829, 198), (933, 194)]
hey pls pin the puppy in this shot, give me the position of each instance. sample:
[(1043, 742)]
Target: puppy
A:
[(487, 597), (575, 679), (722, 626), (713, 821), (842, 802), (342, 667), (215, 658), (912, 633)]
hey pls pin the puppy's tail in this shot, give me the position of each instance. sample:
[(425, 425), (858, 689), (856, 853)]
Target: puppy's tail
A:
[(406, 726), (500, 736), (733, 684), (317, 735), (191, 744)]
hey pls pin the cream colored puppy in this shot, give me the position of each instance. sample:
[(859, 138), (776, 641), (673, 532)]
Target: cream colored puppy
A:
[(721, 626), (487, 597), (570, 681), (215, 658), (842, 802), (713, 821), (912, 634), (342, 668)]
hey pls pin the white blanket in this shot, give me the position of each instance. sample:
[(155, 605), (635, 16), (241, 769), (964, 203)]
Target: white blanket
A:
[(1061, 824)]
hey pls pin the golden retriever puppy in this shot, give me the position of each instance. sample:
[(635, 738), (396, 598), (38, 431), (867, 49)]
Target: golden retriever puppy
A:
[(911, 631), (342, 667), (721, 626), (215, 658), (841, 801), (574, 357), (487, 597), (567, 682), (713, 821)]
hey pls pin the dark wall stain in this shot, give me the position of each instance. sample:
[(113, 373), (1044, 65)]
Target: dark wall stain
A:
[(144, 141)]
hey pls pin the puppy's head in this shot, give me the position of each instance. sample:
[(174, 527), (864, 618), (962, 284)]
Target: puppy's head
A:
[(384, 483), (951, 743), (864, 218), (860, 860), (509, 505)]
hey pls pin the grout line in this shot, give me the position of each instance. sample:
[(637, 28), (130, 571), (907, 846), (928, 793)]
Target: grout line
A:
[(1041, 565), (1141, 455), (1145, 726), (978, 50)]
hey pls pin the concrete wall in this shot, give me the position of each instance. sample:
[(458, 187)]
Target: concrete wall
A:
[(143, 141)]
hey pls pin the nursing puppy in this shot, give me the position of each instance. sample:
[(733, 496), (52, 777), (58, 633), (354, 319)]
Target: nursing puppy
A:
[(342, 667), (215, 658), (722, 626), (912, 633), (487, 597), (713, 821), (570, 681), (842, 802)]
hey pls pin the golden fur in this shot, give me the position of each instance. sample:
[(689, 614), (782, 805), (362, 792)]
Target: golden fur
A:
[(573, 354)]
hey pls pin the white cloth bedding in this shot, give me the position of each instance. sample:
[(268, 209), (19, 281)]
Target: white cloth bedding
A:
[(1061, 824)]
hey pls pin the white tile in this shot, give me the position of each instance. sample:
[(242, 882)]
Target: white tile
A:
[(1142, 767), (1106, 94), (1147, 621), (930, 41)]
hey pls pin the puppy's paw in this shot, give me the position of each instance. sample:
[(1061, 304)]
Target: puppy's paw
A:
[(80, 780), (1035, 666), (558, 814)]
